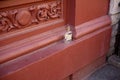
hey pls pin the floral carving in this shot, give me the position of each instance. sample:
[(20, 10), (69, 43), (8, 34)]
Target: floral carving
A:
[(42, 14), (55, 10), (35, 14), (7, 20)]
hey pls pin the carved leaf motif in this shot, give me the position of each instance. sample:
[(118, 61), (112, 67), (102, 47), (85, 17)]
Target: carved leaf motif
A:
[(13, 18), (34, 10), (55, 10), (5, 21), (27, 16), (42, 14)]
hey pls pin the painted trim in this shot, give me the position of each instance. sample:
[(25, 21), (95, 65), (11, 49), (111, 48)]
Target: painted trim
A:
[(58, 60), (91, 26), (25, 46)]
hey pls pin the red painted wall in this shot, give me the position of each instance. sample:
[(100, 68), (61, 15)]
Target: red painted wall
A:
[(58, 60), (84, 10), (52, 59), (88, 10)]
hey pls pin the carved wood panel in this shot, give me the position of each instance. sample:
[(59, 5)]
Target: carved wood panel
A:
[(31, 15)]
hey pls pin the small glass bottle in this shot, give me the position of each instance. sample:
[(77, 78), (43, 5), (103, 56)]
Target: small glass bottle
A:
[(68, 35)]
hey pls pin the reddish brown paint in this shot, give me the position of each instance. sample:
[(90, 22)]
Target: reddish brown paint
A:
[(11, 37), (32, 43), (66, 78), (59, 60), (55, 60), (20, 34), (87, 10), (89, 69), (15, 50), (84, 10), (89, 27), (10, 3)]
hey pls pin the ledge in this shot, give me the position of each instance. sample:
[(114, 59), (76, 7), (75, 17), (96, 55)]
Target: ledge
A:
[(24, 46), (17, 35), (58, 60), (27, 45), (92, 26)]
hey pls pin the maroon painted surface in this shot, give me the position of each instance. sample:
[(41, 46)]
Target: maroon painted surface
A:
[(52, 59), (29, 30), (59, 60), (87, 10), (30, 44), (87, 70), (84, 10), (92, 25)]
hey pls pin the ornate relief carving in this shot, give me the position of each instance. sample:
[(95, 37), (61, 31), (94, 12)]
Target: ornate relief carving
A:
[(24, 17), (35, 14)]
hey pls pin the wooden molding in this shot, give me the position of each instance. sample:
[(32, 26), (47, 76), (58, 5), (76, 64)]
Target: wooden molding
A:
[(27, 45), (13, 36), (49, 61), (91, 26)]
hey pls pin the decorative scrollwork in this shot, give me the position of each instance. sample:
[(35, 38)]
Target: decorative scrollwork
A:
[(35, 14), (7, 20), (55, 10), (42, 14)]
